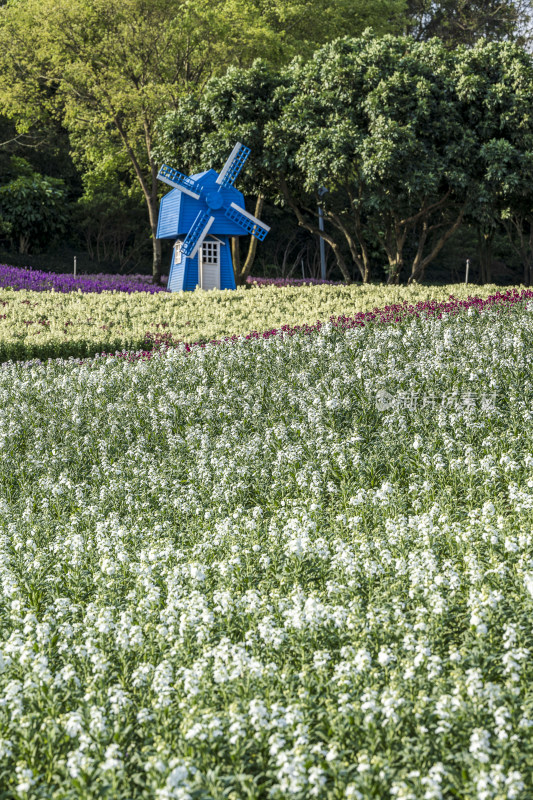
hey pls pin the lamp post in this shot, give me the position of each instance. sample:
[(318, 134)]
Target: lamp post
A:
[(321, 192)]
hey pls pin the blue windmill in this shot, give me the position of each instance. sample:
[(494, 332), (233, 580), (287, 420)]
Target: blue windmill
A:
[(201, 213)]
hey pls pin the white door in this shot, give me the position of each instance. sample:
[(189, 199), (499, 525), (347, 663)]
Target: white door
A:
[(210, 266)]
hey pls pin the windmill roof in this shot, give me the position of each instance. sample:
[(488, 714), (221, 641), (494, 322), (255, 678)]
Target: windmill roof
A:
[(200, 175)]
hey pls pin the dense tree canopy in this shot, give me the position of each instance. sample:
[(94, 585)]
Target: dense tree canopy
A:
[(83, 83), (466, 21), (32, 206), (411, 134), (409, 138), (109, 68)]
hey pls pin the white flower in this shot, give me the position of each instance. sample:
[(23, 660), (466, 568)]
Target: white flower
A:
[(321, 658), (73, 724), (113, 759), (528, 582), (25, 779), (385, 656), (480, 745)]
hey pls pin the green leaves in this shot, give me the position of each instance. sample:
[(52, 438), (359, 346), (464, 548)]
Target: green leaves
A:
[(33, 208)]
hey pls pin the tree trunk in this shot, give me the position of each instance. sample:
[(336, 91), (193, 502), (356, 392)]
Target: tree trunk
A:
[(236, 258), (394, 243), (393, 278), (417, 269), (359, 232), (149, 188), (252, 247), (156, 259), (419, 263), (156, 243), (358, 248), (24, 244), (522, 244), (527, 274), (367, 267), (341, 263), (395, 259)]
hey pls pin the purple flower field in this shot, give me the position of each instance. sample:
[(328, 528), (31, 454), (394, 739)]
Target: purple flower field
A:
[(39, 281)]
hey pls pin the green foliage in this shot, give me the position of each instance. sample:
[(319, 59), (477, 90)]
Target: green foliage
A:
[(411, 134), (467, 21), (104, 71), (110, 217), (410, 139), (278, 30), (33, 207), (109, 68), (236, 106)]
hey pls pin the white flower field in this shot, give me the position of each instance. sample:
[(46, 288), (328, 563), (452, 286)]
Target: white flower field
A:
[(292, 567)]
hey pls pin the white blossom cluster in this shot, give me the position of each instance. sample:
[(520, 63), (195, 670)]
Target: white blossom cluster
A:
[(229, 575)]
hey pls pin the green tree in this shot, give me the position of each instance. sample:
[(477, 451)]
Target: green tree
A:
[(298, 27), (109, 216), (494, 84), (373, 120), (405, 135), (110, 68), (467, 21), (33, 208)]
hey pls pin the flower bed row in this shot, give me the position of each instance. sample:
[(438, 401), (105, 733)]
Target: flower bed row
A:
[(51, 324), (388, 314), (35, 280)]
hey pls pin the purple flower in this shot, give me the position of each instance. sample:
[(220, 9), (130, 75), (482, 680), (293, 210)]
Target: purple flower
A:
[(39, 281)]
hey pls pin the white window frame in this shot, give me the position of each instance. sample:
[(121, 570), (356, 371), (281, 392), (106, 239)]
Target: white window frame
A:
[(177, 252)]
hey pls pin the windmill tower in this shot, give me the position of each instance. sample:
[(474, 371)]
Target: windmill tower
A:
[(200, 214)]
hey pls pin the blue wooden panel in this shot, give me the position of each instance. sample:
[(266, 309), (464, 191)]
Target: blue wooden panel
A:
[(247, 225), (190, 207), (175, 276), (185, 276), (191, 274), (196, 230), (178, 211), (169, 213), (171, 176)]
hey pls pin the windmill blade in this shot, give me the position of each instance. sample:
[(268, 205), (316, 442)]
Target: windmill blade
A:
[(179, 181), (233, 165), (196, 235), (247, 221)]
